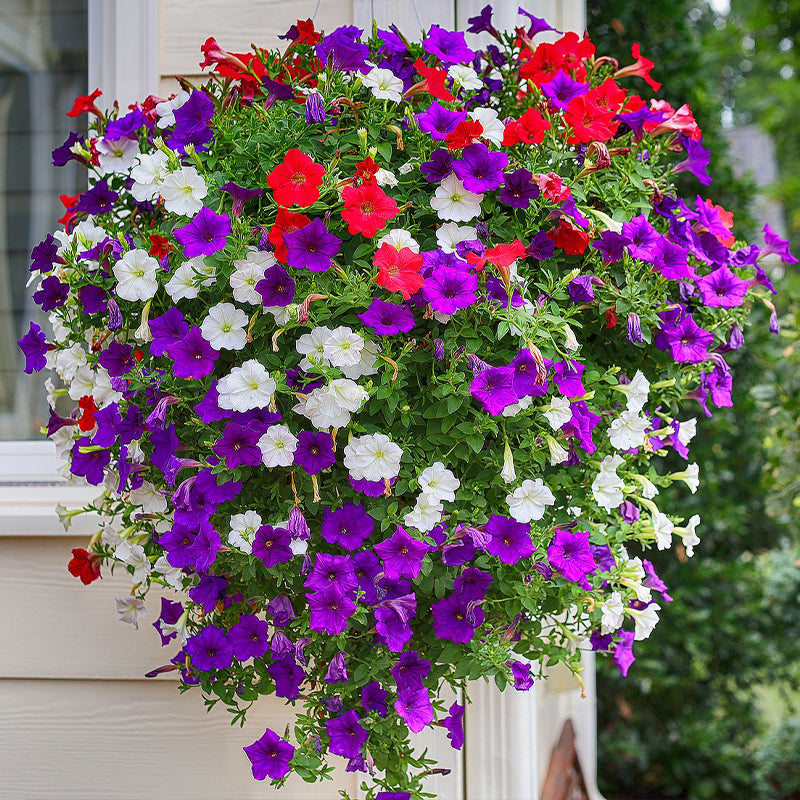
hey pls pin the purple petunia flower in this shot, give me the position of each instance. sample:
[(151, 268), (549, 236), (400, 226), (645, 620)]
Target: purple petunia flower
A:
[(401, 555), (127, 125), (450, 47), (450, 289), (238, 445), (392, 618), (722, 289), (482, 22), (523, 680), (581, 289), (44, 255), (567, 376), (438, 167), (367, 567), (280, 608), (510, 540), (288, 676), (94, 299), (210, 649), (480, 169), (456, 619), (167, 330), (332, 571), (415, 708), (541, 247), (611, 246), (191, 121), (571, 555), (438, 121), (63, 154), (51, 294), (249, 637), (687, 342), (623, 652), (337, 670), (528, 379), (494, 389), (205, 234), (276, 287), (314, 452), (329, 610), (100, 199), (373, 698), (348, 526), (170, 614), (774, 244), (472, 584), (91, 464), (386, 318), (697, 161), (270, 756), (454, 722), (209, 591), (271, 545), (562, 89), (346, 736), (311, 247), (643, 239), (117, 359), (343, 50), (410, 671), (240, 196), (518, 189), (34, 346)]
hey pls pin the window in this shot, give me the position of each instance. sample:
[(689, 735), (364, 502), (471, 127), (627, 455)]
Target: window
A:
[(43, 66)]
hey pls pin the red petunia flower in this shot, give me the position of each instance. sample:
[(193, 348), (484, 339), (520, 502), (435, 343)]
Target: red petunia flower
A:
[(87, 405), (552, 186), (84, 565), (85, 105), (611, 318), (296, 180), (69, 203), (464, 134), (640, 67), (530, 128), (214, 54), (306, 33), (398, 270), (504, 255), (573, 241), (285, 222), (568, 53), (366, 170), (367, 209), (609, 95), (589, 122), (433, 81), (159, 246)]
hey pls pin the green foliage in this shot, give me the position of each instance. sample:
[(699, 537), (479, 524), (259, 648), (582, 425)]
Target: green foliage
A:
[(778, 767)]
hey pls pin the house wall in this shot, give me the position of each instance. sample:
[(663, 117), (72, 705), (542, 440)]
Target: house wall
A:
[(78, 719)]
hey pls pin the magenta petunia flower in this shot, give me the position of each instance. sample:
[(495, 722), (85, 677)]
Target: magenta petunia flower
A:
[(346, 736), (450, 289), (192, 355), (386, 318), (401, 554), (521, 672), (494, 389), (270, 756), (450, 47), (456, 619), (415, 708), (335, 571), (722, 289), (210, 649), (249, 637), (571, 555), (348, 526), (510, 540), (329, 610), (205, 234), (687, 342)]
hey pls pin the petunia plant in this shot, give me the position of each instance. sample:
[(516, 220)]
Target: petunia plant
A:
[(375, 351)]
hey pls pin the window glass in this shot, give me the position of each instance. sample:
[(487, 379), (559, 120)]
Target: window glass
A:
[(43, 67)]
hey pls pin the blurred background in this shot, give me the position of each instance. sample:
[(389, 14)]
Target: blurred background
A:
[(711, 707)]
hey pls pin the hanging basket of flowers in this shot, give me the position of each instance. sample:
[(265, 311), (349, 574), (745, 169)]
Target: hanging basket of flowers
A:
[(375, 350)]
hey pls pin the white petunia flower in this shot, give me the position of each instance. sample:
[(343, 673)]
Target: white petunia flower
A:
[(225, 327), (644, 620), (133, 555), (173, 576), (558, 413), (571, 343), (493, 128), (558, 453), (277, 446), (151, 501), (450, 234), (464, 77), (166, 110), (312, 346), (247, 274), (607, 486), (183, 191), (687, 430), (246, 387), (117, 155), (613, 614), (282, 314), (243, 530), (384, 84), (343, 347), (438, 482), (366, 366), (148, 174), (385, 177), (633, 575), (331, 406), (399, 238), (184, 284), (649, 489), (530, 500), (426, 514), (514, 409), (636, 391), (372, 457), (451, 201), (688, 535), (628, 431), (508, 473), (136, 275), (130, 609), (690, 476), (69, 361), (662, 527)]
